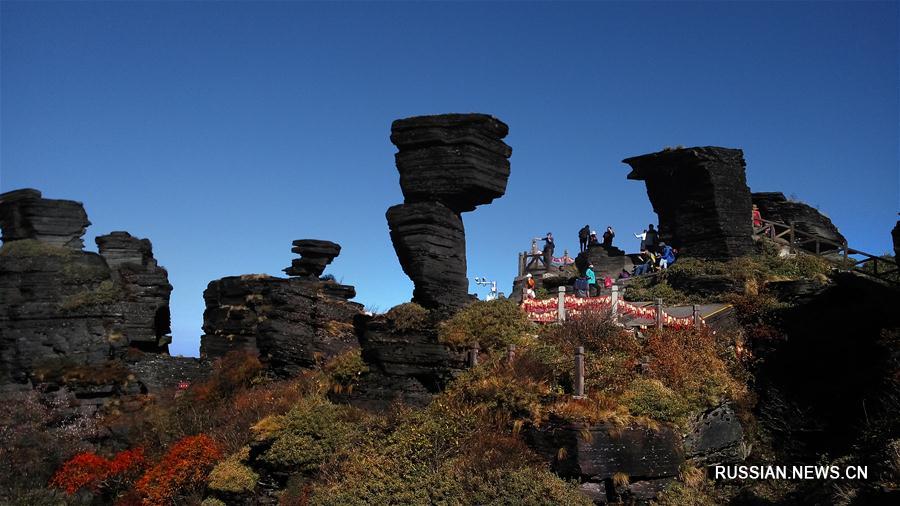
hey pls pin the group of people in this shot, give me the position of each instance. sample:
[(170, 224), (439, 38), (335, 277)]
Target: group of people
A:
[(588, 238), (655, 254)]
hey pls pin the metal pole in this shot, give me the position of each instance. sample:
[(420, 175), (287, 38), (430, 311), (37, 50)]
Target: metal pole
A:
[(561, 304), (659, 312), (614, 303), (696, 314), (579, 372), (510, 353)]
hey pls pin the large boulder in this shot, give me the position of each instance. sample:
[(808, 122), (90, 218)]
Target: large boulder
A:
[(25, 214), (774, 206), (701, 197), (609, 261), (457, 159), (716, 437), (430, 242), (314, 256)]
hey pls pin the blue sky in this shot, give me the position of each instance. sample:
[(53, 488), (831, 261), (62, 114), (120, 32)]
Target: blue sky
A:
[(223, 131)]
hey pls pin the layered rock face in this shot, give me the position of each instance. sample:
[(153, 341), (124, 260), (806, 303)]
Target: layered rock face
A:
[(448, 164), (701, 197), (25, 214), (69, 316), (774, 206), (610, 260), (292, 323)]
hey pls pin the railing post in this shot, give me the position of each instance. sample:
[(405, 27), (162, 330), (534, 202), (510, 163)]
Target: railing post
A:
[(659, 313), (473, 355), (510, 353), (561, 305), (695, 313), (579, 372), (614, 303), (845, 253), (791, 235)]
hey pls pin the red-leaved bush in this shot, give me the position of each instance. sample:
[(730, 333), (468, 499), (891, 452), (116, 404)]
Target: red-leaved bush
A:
[(184, 467), (95, 473)]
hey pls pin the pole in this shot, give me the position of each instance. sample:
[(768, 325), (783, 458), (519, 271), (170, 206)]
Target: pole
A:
[(510, 353), (614, 303), (579, 372), (473, 355), (696, 314), (659, 312), (561, 305)]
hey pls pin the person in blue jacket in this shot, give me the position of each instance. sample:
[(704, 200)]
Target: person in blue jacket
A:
[(666, 256), (591, 278)]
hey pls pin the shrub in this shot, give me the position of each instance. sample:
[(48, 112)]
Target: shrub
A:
[(34, 248), (650, 398), (346, 368), (408, 317), (492, 324), (107, 292), (64, 370), (502, 391), (181, 470), (232, 475), (92, 472), (307, 435)]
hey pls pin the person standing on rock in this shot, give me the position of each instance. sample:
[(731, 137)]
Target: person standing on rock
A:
[(591, 280), (548, 250), (583, 235), (608, 237), (529, 287), (643, 237), (592, 240), (651, 239)]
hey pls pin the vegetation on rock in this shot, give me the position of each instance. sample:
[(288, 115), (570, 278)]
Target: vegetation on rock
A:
[(492, 324)]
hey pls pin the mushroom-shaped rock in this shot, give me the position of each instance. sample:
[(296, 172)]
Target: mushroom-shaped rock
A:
[(314, 256), (457, 159)]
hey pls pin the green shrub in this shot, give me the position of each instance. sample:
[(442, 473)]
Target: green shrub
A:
[(232, 475), (108, 292), (524, 486), (212, 501), (492, 324), (408, 317), (346, 368), (648, 289), (308, 434), (650, 398), (34, 248)]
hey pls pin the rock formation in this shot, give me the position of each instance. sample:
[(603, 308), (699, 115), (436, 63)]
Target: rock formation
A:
[(610, 260), (701, 197), (69, 318), (774, 206), (291, 323), (448, 164), (895, 237), (24, 214)]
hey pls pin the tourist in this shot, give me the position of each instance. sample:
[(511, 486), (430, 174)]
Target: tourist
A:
[(548, 250), (624, 274), (648, 260), (757, 218), (651, 238), (583, 236), (608, 237), (643, 237), (666, 256), (592, 240), (591, 279), (607, 281), (529, 286)]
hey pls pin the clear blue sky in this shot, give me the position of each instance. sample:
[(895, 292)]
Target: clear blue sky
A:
[(223, 131)]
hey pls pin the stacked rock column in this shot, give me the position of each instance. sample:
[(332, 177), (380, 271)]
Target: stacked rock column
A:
[(448, 164)]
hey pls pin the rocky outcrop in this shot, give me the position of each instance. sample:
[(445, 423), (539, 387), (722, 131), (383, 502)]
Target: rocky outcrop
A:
[(774, 206), (448, 164), (25, 214), (431, 243), (716, 437), (701, 197), (609, 261), (407, 365), (145, 313), (69, 318), (895, 236), (292, 323)]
